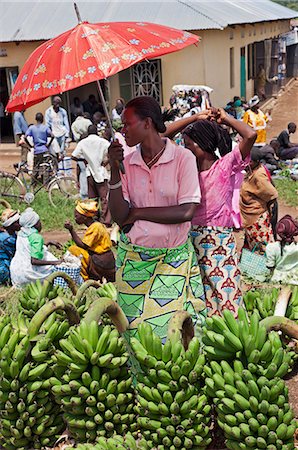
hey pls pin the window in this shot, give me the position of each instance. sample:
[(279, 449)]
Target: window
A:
[(142, 79), (232, 68)]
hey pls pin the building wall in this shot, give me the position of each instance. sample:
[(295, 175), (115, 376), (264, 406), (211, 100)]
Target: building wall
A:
[(208, 63)]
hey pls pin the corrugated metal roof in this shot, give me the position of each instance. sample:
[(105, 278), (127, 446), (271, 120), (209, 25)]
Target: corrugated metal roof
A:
[(26, 21)]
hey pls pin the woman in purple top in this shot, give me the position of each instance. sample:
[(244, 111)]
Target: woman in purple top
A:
[(212, 224)]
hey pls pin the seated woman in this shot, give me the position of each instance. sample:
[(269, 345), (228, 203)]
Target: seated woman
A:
[(32, 261), (282, 256), (95, 248), (8, 237)]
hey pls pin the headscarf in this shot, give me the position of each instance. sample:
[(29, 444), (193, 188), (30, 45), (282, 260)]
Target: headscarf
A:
[(209, 136), (237, 103), (88, 208), (28, 220), (9, 216), (254, 101), (287, 228)]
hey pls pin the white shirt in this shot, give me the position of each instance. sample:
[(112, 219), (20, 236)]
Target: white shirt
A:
[(80, 126), (93, 149)]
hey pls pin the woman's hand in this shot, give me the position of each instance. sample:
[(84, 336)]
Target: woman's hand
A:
[(68, 225), (203, 115), (131, 218), (115, 153), (55, 244)]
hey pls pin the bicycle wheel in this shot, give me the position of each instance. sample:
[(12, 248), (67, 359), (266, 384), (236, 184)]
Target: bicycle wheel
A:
[(62, 191), (11, 187)]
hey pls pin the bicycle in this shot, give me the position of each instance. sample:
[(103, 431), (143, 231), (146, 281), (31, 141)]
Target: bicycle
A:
[(61, 189)]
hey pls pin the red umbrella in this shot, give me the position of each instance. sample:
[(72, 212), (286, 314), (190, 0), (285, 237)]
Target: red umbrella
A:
[(91, 52)]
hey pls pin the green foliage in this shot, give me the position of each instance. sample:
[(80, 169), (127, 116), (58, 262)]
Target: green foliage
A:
[(287, 191), (292, 4)]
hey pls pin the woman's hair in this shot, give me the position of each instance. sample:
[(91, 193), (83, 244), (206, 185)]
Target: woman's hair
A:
[(286, 228), (148, 107), (209, 136)]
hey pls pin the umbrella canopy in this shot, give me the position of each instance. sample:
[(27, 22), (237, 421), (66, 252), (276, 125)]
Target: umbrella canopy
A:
[(90, 52)]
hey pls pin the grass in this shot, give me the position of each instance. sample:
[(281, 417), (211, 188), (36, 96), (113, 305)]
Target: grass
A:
[(51, 218), (287, 191)]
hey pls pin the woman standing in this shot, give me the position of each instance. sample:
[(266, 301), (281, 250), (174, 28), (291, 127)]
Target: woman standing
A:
[(212, 224), (8, 237), (95, 248), (153, 203), (257, 196)]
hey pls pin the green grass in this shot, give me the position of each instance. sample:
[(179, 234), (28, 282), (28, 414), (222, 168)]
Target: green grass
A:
[(287, 191), (51, 218)]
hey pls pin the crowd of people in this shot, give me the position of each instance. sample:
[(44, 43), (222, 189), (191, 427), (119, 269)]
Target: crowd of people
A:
[(176, 207)]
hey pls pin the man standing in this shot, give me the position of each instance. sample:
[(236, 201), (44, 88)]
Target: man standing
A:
[(91, 105), (39, 134), (257, 120), (287, 150), (261, 82), (79, 130), (20, 127), (57, 121), (94, 150)]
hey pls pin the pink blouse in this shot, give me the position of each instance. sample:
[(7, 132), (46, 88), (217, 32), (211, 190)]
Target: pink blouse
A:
[(217, 187)]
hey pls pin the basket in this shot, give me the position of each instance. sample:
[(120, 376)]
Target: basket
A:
[(253, 264), (74, 273)]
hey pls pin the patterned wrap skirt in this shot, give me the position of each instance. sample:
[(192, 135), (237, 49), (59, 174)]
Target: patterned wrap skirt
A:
[(259, 234), (218, 261), (153, 283)]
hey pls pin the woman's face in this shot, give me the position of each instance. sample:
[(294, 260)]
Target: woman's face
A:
[(80, 218), (134, 129), (193, 147), (38, 226)]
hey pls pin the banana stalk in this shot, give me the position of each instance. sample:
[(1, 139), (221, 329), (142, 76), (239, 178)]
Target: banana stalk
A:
[(71, 283), (83, 288), (282, 301), (287, 326), (106, 305), (46, 310), (181, 328)]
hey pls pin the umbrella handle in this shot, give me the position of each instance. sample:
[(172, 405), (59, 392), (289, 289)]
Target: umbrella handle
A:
[(103, 102)]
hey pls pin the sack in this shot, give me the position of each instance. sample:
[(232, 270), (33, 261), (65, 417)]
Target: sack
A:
[(73, 272), (253, 264)]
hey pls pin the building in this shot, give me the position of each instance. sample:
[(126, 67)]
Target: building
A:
[(236, 36)]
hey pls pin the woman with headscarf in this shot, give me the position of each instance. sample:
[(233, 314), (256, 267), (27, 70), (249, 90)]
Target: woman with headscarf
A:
[(257, 198), (282, 255), (213, 221), (153, 203), (8, 237), (32, 261), (97, 258)]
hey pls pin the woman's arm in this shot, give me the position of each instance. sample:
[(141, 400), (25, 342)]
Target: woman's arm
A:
[(118, 205), (167, 215), (78, 241), (179, 125), (247, 133), (42, 262)]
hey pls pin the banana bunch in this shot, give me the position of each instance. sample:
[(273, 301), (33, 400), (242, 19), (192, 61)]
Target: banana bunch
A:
[(172, 411), (94, 387), (108, 290), (29, 416), (252, 411), (116, 442), (262, 301), (292, 311), (35, 295), (262, 353)]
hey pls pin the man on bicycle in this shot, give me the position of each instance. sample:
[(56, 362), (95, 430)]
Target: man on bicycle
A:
[(40, 134)]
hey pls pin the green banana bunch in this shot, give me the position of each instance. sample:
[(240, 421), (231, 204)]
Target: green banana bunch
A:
[(172, 410), (261, 300), (292, 310), (253, 411), (36, 294), (30, 418), (227, 339), (93, 384), (127, 442), (108, 290)]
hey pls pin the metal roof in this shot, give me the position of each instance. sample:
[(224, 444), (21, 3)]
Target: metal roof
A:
[(28, 21)]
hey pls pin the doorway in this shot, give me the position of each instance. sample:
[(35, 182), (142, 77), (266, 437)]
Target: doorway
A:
[(8, 76), (242, 73)]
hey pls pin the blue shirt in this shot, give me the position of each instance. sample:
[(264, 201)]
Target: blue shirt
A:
[(20, 125), (7, 247), (39, 134)]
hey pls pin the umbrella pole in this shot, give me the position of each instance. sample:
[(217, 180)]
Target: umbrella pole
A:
[(107, 114)]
